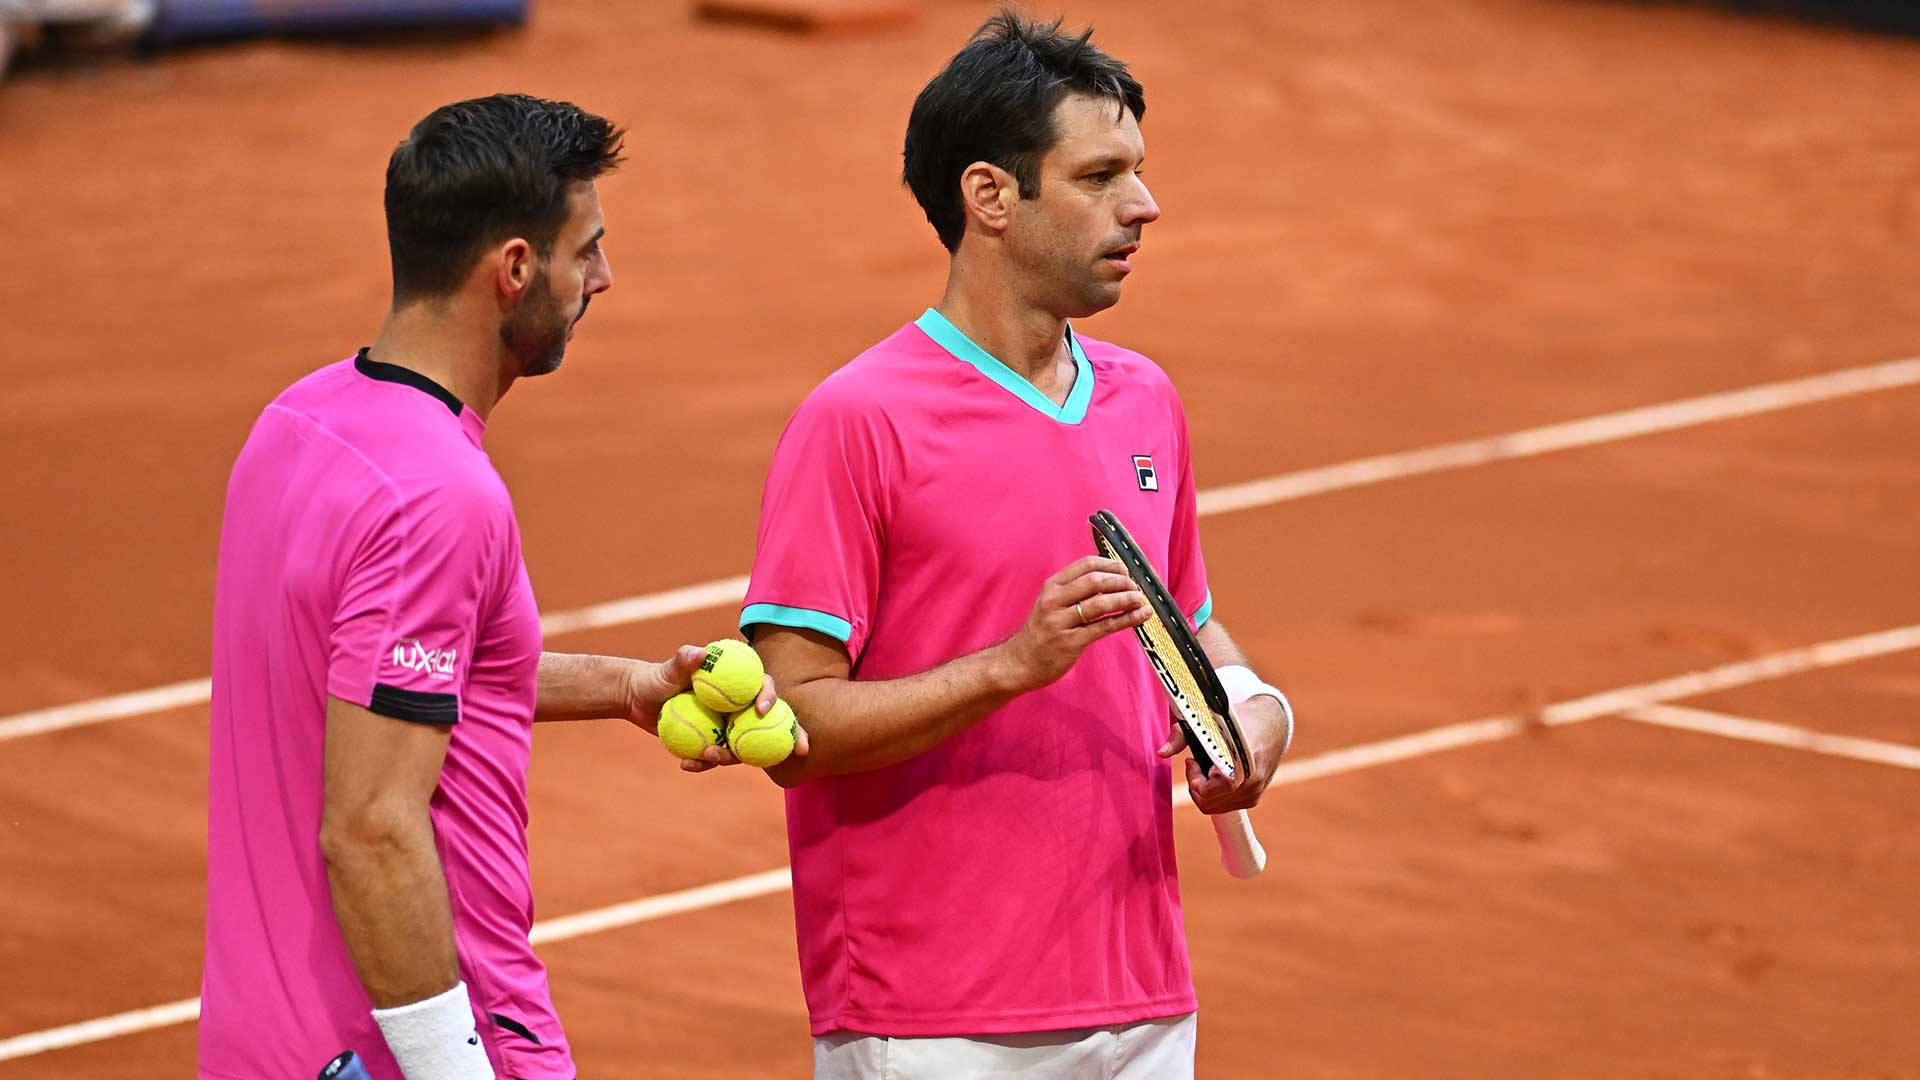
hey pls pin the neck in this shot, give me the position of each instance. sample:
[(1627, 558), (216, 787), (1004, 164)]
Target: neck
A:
[(981, 305), (451, 347)]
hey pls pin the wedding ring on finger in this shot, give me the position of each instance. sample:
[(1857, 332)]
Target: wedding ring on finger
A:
[(1082, 614)]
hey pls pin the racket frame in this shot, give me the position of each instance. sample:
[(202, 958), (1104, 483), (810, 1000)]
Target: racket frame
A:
[(1112, 540)]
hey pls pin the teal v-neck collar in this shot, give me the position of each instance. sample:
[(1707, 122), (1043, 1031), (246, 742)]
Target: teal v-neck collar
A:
[(948, 336)]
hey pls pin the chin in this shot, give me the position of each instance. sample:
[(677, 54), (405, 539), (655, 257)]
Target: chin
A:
[(1096, 301), (545, 364)]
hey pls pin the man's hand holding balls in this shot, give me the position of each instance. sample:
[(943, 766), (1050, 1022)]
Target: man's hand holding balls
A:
[(715, 706)]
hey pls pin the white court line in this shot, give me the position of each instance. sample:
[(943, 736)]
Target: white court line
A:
[(659, 907), (1531, 442), (107, 1027), (1784, 735), (1349, 759), (641, 608), (560, 929), (1610, 427), (1739, 673), (119, 706)]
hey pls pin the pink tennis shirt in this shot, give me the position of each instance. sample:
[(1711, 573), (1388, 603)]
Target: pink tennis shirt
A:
[(369, 552), (1020, 876)]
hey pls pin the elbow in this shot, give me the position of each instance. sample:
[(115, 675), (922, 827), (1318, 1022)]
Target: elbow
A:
[(351, 837), (789, 774), (800, 768)]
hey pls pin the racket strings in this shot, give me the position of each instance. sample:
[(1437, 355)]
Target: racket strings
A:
[(1185, 691), (1172, 662)]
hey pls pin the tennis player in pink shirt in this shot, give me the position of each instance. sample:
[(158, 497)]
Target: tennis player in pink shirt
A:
[(982, 836), (377, 663)]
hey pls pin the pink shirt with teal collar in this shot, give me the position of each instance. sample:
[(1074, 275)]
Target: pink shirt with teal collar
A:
[(1019, 877)]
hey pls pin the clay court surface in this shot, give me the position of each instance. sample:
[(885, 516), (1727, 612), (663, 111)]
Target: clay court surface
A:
[(1388, 226)]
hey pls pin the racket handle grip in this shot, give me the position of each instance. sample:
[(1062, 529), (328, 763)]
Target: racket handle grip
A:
[(1240, 850)]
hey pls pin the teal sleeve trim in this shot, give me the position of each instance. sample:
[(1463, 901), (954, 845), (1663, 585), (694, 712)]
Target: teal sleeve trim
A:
[(948, 336), (805, 618), (1201, 616)]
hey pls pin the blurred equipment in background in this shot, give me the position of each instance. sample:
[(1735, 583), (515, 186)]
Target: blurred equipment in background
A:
[(179, 21), (82, 28), (78, 25), (1891, 16), (803, 16)]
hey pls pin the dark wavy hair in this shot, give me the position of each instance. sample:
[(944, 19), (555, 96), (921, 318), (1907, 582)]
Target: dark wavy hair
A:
[(475, 173), (994, 102)]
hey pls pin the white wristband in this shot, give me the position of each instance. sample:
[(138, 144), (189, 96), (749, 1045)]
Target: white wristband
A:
[(1240, 683), (435, 1039)]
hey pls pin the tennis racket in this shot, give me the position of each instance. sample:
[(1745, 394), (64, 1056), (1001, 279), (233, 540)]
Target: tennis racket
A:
[(1199, 703)]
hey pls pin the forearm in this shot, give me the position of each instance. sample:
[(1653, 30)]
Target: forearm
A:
[(390, 900), (1220, 648), (855, 726), (578, 687)]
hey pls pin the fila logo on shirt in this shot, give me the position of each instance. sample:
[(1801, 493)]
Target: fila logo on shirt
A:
[(410, 655), (1143, 472)]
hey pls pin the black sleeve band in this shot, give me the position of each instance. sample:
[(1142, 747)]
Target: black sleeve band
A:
[(515, 1026), (415, 706)]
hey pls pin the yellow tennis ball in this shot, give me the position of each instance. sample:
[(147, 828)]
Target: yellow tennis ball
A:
[(730, 677), (764, 741), (688, 727)]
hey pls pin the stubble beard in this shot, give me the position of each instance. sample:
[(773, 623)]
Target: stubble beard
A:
[(536, 333)]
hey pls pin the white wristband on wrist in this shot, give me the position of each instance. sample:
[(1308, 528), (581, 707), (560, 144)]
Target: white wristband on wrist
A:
[(1240, 683), (435, 1039)]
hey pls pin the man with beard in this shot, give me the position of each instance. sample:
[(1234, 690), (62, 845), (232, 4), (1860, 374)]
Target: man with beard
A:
[(377, 662), (982, 838)]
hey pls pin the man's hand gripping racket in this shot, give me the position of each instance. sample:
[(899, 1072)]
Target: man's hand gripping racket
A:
[(1199, 703)]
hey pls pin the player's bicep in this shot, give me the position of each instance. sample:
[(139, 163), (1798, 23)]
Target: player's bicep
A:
[(810, 667), (379, 769), (795, 656)]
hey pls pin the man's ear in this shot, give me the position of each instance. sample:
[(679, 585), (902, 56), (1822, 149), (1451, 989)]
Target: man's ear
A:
[(514, 264), (987, 196)]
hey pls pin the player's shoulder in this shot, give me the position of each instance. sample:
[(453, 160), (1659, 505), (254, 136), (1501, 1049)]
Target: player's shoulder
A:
[(881, 380), (413, 439), (313, 391), (1123, 364)]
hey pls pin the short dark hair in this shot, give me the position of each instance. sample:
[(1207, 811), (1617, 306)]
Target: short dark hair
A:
[(994, 102), (477, 172)]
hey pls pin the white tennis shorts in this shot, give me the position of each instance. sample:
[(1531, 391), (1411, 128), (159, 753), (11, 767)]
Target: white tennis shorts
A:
[(1148, 1050)]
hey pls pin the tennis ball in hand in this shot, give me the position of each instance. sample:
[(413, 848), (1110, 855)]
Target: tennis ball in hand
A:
[(688, 727), (764, 741), (730, 677)]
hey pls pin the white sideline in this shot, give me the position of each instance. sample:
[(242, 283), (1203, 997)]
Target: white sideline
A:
[(1349, 759), (1737, 673), (1531, 442), (661, 906), (1608, 427), (560, 929), (118, 707), (1783, 735)]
